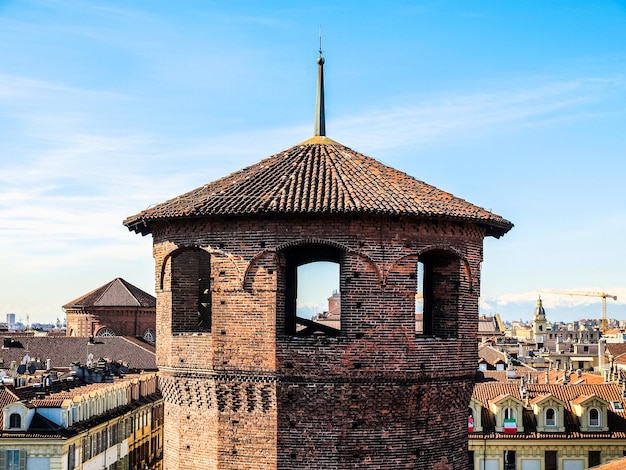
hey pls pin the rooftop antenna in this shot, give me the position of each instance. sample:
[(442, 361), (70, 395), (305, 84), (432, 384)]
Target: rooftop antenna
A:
[(320, 118)]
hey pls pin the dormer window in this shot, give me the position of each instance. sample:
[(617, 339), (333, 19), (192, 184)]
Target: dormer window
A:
[(15, 421), (508, 412), (549, 412), (510, 425), (474, 415), (592, 413)]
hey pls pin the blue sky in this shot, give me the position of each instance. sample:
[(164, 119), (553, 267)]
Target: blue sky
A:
[(109, 107)]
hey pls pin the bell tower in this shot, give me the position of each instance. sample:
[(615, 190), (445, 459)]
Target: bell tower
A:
[(251, 383), (540, 323)]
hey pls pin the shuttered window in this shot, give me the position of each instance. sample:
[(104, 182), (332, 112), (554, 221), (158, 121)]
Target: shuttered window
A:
[(13, 459)]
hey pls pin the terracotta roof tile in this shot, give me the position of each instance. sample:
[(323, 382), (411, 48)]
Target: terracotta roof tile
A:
[(56, 399), (539, 398), (616, 349), (619, 464), (7, 396), (491, 355), (319, 176)]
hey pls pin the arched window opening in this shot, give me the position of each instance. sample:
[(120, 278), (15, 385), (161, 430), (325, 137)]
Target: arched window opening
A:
[(313, 299), (594, 417), (438, 283), (419, 300), (191, 291), (470, 419), (550, 417), (149, 335), (105, 332), (15, 421), (318, 295)]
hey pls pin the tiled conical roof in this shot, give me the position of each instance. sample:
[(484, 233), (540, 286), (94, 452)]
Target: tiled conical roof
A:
[(319, 176), (117, 293)]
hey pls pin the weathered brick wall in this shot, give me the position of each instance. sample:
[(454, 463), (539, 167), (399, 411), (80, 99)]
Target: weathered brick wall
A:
[(124, 321), (219, 421), (377, 396), (371, 424)]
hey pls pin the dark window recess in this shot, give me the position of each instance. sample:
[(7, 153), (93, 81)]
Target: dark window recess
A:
[(471, 460), (15, 421), (191, 291), (318, 323), (71, 457), (550, 460), (594, 458), (509, 460), (439, 276)]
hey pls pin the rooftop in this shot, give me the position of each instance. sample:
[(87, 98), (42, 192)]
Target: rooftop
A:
[(319, 176), (117, 293), (62, 351), (610, 392)]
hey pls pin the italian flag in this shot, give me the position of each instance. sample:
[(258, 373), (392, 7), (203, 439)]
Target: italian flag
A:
[(509, 426), (470, 424)]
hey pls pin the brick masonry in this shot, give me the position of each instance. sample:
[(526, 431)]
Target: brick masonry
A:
[(240, 393), (124, 321)]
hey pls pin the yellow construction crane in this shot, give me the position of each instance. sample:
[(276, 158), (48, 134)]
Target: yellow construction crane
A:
[(603, 295)]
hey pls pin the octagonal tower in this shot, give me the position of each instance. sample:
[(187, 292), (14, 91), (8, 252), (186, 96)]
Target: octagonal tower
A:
[(249, 382)]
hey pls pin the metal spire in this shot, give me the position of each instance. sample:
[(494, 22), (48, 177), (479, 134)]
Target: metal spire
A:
[(320, 118)]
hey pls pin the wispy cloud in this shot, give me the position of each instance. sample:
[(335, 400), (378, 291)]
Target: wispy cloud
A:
[(472, 113), (558, 300), (82, 173)]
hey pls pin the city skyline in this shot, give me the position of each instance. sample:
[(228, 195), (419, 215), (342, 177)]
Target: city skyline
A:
[(109, 108)]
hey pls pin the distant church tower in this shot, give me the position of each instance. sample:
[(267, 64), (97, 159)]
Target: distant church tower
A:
[(248, 383), (540, 323)]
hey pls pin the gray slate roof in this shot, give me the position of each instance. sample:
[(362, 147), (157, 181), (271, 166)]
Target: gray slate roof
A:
[(63, 350), (117, 293)]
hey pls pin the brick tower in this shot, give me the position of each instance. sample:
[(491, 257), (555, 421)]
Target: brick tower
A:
[(249, 383)]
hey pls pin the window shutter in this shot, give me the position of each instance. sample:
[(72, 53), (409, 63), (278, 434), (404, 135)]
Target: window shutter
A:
[(22, 460), (3, 459)]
